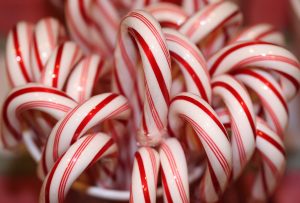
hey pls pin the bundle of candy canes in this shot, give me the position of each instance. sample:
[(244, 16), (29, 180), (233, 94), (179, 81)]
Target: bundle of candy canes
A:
[(149, 100)]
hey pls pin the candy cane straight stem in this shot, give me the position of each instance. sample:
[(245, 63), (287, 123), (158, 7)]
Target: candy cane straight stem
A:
[(155, 56)]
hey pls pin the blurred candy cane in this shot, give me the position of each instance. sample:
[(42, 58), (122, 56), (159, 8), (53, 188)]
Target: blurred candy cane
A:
[(273, 161), (60, 64), (193, 6), (81, 155), (213, 137), (167, 14), (137, 4), (261, 32), (17, 56), (262, 55), (144, 176), (223, 17), (31, 97), (106, 16), (48, 34), (174, 173), (84, 77), (152, 47), (270, 94), (78, 121), (83, 29), (242, 119)]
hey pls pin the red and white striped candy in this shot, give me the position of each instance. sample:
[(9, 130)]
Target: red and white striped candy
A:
[(144, 176), (242, 119), (193, 6), (211, 19), (213, 137), (262, 55), (31, 97), (261, 32), (155, 56), (81, 155), (106, 16), (191, 63), (174, 172), (84, 77), (138, 4), (167, 14), (273, 160), (84, 29), (270, 94), (17, 56), (78, 121), (60, 64), (48, 34)]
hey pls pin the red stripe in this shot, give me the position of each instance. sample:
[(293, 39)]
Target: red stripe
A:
[(91, 115), (56, 68), (266, 82), (176, 174), (203, 108), (154, 65), (143, 177), (19, 57), (37, 54), (192, 73), (265, 33), (240, 100), (17, 93), (71, 164), (214, 179), (153, 111), (169, 24), (203, 15), (217, 63), (49, 180), (157, 35), (165, 186), (240, 145), (268, 138), (212, 145)]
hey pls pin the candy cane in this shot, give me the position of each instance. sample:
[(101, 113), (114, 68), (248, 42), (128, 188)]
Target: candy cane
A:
[(84, 77), (80, 156), (78, 121), (242, 122), (83, 29), (212, 18), (270, 95), (156, 63), (60, 63), (259, 54), (31, 97), (138, 4), (191, 63), (174, 174), (213, 137), (272, 152), (17, 54), (48, 34), (261, 32), (106, 15), (193, 6), (167, 14), (144, 176)]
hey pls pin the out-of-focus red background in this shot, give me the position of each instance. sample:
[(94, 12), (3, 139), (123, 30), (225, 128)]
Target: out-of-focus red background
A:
[(18, 182)]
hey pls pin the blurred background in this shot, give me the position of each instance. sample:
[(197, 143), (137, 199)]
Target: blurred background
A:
[(18, 182)]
